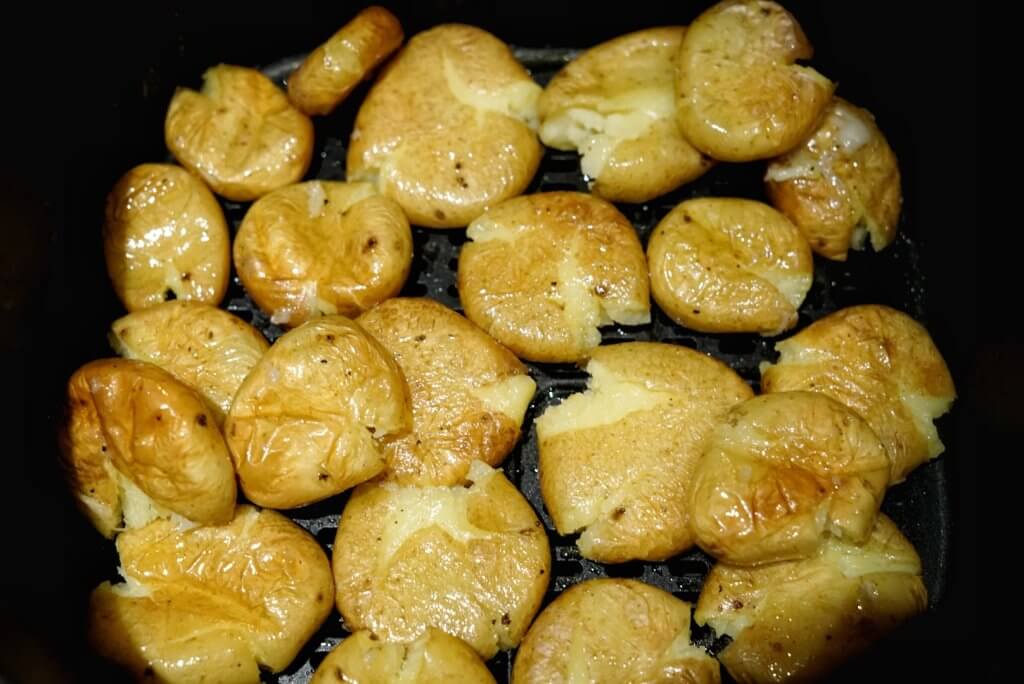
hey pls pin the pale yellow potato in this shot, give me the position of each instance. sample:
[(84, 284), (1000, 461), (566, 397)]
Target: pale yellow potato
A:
[(795, 621), (469, 394), (239, 133), (433, 658), (616, 105), (449, 127), (321, 248), (617, 461), (327, 76), (138, 444), (472, 561), (213, 603), (842, 185), (729, 265), (164, 237), (204, 347), (882, 364), (609, 631), (308, 420), (783, 473), (741, 94), (543, 272)]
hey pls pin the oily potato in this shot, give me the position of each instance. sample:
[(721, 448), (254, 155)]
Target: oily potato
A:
[(842, 185), (616, 105), (729, 265), (448, 129), (741, 94), (322, 247), (472, 561), (327, 76), (469, 394), (239, 133), (882, 364), (543, 272), (782, 473), (165, 237), (616, 461), (795, 621), (204, 347), (138, 444), (212, 603), (608, 631), (307, 421)]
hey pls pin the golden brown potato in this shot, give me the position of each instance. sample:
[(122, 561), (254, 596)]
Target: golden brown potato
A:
[(617, 461), (783, 472), (616, 105), (841, 185), (795, 621), (882, 364), (729, 265), (433, 658), (204, 347), (322, 247), (212, 603), (240, 133), (472, 561), (164, 237), (742, 96), (327, 76), (137, 444), (469, 394), (449, 127), (544, 271), (608, 631), (307, 422)]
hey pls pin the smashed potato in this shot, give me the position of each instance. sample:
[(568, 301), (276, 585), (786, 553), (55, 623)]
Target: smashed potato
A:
[(616, 461), (137, 445), (164, 237), (307, 422), (729, 265), (448, 129), (543, 272), (240, 133), (741, 94), (882, 364), (320, 248), (472, 561), (469, 394)]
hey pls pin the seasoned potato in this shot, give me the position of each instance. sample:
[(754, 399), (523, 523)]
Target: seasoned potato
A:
[(617, 461), (782, 473), (544, 271), (742, 96), (882, 364), (472, 561), (164, 237), (449, 127), (327, 76), (841, 185), (469, 394), (240, 133), (204, 347), (137, 444), (307, 422), (433, 658), (322, 247), (607, 631), (729, 265), (616, 105), (212, 603), (794, 621)]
